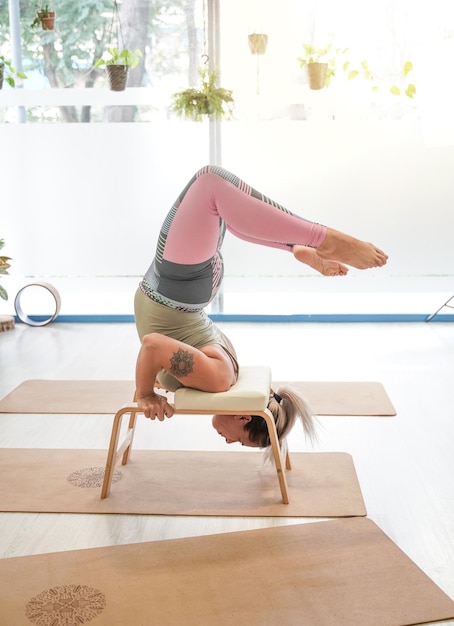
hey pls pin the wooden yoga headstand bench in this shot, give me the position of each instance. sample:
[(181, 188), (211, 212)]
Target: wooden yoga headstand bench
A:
[(249, 396)]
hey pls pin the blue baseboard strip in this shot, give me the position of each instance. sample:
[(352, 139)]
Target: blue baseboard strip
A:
[(237, 317), (350, 317)]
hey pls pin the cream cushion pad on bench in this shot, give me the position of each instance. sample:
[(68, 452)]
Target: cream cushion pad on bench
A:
[(251, 392), (249, 396)]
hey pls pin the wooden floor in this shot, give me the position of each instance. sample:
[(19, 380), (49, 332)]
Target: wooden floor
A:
[(405, 464)]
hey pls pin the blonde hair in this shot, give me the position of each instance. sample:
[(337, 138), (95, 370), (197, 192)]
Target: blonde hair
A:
[(286, 406)]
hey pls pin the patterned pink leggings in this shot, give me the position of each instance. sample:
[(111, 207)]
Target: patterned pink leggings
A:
[(187, 269)]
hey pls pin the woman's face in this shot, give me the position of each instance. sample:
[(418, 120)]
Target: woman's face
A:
[(231, 427)]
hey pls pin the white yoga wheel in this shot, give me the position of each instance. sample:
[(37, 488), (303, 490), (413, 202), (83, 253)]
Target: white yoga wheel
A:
[(33, 289)]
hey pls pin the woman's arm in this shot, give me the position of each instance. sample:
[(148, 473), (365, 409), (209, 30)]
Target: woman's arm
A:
[(208, 369)]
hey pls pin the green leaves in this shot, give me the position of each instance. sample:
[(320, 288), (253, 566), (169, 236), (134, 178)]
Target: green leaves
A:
[(408, 66), (317, 55), (410, 89), (120, 57), (194, 103), (9, 72)]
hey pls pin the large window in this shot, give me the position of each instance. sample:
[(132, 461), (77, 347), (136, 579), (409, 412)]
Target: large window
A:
[(377, 56), (377, 52), (169, 33)]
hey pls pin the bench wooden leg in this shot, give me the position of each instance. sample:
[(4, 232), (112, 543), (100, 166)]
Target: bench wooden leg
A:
[(277, 454), (115, 452)]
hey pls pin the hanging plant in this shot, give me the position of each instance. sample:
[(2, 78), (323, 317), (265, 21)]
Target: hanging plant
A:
[(210, 99), (257, 43), (320, 64), (120, 59), (44, 17), (8, 73), (117, 65)]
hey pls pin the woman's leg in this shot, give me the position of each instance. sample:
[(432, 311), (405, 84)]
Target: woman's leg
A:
[(307, 255), (193, 231)]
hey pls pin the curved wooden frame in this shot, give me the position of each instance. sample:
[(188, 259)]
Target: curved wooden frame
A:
[(123, 450)]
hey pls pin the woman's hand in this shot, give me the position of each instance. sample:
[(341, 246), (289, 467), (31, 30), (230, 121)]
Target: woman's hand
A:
[(155, 406)]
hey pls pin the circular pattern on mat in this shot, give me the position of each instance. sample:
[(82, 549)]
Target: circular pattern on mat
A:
[(66, 605), (28, 320), (90, 477)]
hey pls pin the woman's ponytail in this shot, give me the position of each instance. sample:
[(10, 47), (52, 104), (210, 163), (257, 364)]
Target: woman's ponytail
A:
[(286, 406), (286, 412)]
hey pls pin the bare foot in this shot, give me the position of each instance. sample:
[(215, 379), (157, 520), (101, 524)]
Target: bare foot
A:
[(354, 252), (310, 257)]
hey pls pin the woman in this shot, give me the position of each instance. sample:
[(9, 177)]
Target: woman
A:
[(180, 345)]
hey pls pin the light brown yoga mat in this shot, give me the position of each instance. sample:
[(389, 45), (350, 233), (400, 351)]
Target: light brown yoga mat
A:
[(333, 573), (107, 396), (344, 398), (68, 396), (178, 483)]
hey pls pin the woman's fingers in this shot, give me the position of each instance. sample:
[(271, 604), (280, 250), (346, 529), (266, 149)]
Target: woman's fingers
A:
[(155, 406)]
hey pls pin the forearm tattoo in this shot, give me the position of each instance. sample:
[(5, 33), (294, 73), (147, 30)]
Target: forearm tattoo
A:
[(182, 363)]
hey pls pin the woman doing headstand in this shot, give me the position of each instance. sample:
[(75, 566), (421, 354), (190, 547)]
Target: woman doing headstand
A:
[(180, 345)]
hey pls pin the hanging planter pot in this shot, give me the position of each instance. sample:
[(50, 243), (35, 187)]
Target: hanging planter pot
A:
[(119, 59), (48, 21), (321, 64), (118, 65), (117, 76), (257, 43), (44, 17), (316, 75)]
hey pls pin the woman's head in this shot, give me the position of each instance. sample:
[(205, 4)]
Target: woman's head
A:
[(233, 428), (251, 430)]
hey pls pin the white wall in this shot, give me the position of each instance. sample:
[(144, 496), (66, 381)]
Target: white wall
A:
[(89, 199), (377, 181)]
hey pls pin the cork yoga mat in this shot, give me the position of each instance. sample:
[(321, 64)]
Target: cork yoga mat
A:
[(332, 573), (178, 483), (68, 396), (344, 398), (107, 396)]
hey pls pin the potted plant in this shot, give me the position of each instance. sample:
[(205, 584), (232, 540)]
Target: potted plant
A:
[(4, 266), (44, 17), (320, 64), (6, 321), (257, 43), (210, 99), (8, 73), (117, 65)]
